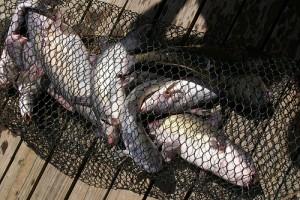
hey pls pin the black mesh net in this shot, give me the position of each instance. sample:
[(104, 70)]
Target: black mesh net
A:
[(106, 96)]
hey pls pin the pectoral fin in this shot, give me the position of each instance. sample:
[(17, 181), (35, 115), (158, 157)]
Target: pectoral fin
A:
[(170, 150), (170, 91)]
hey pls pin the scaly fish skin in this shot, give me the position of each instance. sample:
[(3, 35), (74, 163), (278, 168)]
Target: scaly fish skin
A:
[(198, 142)]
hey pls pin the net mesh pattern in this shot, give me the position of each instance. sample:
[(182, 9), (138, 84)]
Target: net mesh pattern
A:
[(107, 94)]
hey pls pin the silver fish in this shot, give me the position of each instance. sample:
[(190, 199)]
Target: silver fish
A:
[(197, 142), (38, 25), (65, 58), (109, 75), (8, 69), (177, 96), (138, 144)]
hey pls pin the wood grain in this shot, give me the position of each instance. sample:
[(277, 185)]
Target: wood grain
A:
[(254, 22), (21, 175), (285, 38), (83, 191), (180, 13), (216, 18), (9, 143), (52, 185)]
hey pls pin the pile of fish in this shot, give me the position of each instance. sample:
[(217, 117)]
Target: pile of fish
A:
[(111, 91)]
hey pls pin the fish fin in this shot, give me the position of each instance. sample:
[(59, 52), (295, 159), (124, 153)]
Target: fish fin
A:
[(60, 99), (126, 80), (112, 134), (170, 150), (93, 59), (170, 91), (14, 44), (216, 144)]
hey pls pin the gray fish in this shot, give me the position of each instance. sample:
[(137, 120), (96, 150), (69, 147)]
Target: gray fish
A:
[(177, 96), (246, 93), (8, 70), (10, 57), (199, 143), (65, 59), (138, 144), (73, 83), (112, 68)]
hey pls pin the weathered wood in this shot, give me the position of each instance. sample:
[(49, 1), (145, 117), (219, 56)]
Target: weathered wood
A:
[(100, 18), (285, 38), (8, 143), (119, 3), (254, 22), (146, 8), (73, 10), (82, 191), (52, 185), (216, 18), (129, 179), (21, 175), (180, 13), (79, 192), (123, 195)]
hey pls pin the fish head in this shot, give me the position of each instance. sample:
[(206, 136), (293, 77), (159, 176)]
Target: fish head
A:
[(233, 164)]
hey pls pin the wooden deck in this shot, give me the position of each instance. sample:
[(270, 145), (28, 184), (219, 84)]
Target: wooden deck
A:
[(270, 25)]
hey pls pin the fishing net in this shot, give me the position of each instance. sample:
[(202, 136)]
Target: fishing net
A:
[(108, 98)]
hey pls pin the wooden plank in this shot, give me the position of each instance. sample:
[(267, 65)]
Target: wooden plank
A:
[(129, 179), (175, 182), (53, 184), (119, 3), (285, 38), (146, 8), (123, 195), (8, 143), (21, 175), (98, 173), (254, 22), (180, 13), (67, 157), (83, 191), (72, 11), (216, 18), (106, 13), (79, 192)]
